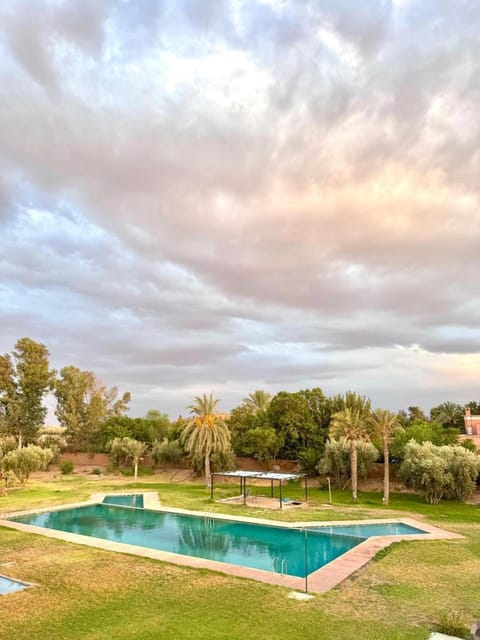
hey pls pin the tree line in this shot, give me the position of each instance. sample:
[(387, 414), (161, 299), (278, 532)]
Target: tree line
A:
[(337, 435)]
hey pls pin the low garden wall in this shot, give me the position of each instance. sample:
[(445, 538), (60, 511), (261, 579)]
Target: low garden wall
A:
[(101, 460)]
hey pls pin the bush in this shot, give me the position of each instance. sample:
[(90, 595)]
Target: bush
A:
[(22, 462), (7, 443), (439, 472), (308, 461), (166, 451), (97, 471), (336, 460), (67, 467)]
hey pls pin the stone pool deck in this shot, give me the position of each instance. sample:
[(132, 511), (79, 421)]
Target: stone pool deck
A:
[(319, 581)]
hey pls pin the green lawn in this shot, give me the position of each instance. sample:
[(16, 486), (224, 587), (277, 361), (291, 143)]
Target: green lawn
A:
[(94, 595)]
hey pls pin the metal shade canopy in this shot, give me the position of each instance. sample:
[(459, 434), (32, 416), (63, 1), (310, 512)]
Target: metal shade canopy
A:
[(260, 475)]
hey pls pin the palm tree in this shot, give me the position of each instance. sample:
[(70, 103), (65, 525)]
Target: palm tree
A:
[(206, 432), (385, 424), (258, 400), (133, 450), (351, 424)]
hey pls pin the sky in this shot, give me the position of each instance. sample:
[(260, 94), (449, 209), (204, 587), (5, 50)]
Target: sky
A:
[(230, 195)]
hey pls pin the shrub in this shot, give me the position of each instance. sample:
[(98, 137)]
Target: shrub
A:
[(336, 460), (97, 471), (308, 461), (166, 451), (22, 462), (439, 472), (7, 443), (67, 467)]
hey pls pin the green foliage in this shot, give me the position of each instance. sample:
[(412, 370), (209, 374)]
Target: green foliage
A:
[(96, 471), (22, 462), (449, 414), (468, 443), (308, 461), (258, 401), (422, 431), (7, 443), (84, 404), (124, 449), (337, 460), (25, 379), (439, 472), (67, 467), (206, 434), (166, 451), (143, 429), (263, 443), (301, 419)]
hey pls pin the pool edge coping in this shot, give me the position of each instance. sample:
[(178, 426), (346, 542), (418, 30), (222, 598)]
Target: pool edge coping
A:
[(320, 581)]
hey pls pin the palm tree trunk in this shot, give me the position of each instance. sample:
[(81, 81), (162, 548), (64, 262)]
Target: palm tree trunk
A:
[(135, 469), (20, 439), (207, 470), (353, 464), (386, 473)]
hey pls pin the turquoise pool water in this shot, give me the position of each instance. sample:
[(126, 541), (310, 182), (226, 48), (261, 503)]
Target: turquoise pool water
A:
[(270, 548), (131, 500), (8, 586), (368, 530)]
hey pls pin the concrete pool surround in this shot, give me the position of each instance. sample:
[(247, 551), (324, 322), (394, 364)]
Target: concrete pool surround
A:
[(320, 581)]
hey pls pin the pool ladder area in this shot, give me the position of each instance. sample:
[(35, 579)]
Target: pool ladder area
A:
[(209, 522), (280, 565)]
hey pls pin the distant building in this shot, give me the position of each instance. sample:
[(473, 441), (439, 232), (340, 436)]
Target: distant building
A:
[(472, 423)]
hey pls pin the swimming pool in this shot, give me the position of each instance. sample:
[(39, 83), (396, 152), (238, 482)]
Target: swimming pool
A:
[(126, 500), (368, 530), (7, 585), (282, 549)]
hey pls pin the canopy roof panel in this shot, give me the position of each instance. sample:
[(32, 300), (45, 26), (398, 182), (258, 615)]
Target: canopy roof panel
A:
[(262, 475)]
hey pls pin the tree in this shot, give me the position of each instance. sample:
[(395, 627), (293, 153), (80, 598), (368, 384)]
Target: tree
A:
[(84, 404), (416, 413), (440, 472), (421, 431), (122, 449), (258, 400), (22, 462), (289, 415), (25, 379), (385, 424), (449, 414), (336, 460), (166, 451), (134, 450), (206, 433), (143, 429), (351, 424)]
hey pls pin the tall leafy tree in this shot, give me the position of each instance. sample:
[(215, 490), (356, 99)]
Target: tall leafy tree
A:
[(258, 400), (386, 425), (450, 414), (84, 404), (352, 426), (206, 433), (289, 415), (25, 379)]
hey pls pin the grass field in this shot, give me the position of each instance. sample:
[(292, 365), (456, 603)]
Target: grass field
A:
[(92, 594)]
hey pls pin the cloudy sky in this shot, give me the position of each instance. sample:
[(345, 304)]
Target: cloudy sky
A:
[(225, 195)]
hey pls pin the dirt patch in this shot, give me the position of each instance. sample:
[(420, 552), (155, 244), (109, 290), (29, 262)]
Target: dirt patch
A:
[(264, 502)]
